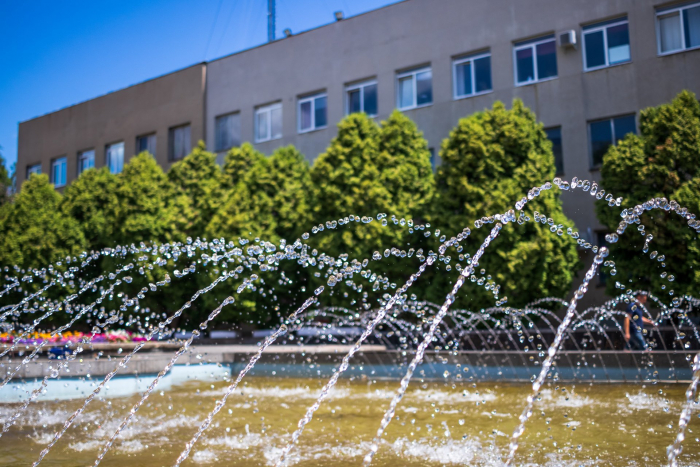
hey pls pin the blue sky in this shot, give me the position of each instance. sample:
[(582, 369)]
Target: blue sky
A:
[(55, 54)]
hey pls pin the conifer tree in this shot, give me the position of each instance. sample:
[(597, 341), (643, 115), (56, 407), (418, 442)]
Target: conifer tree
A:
[(34, 233), (93, 202), (490, 161), (663, 161), (237, 162), (145, 211), (197, 183)]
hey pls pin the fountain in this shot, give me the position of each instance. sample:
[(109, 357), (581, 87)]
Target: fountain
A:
[(463, 375)]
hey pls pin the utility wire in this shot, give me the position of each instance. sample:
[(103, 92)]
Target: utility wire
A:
[(213, 28)]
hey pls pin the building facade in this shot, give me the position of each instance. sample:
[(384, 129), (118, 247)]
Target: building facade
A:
[(585, 68), (164, 116)]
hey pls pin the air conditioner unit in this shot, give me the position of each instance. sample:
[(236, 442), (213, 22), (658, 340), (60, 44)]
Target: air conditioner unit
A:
[(568, 39)]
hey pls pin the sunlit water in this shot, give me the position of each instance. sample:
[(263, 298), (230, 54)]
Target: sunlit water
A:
[(436, 424)]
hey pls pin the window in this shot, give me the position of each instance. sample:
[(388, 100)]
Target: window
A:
[(415, 89), (535, 60), (606, 44), (554, 135), (678, 28), (179, 142), (313, 113), (115, 157), (86, 160), (146, 143), (33, 169), (268, 122), (605, 133), (58, 172), (227, 130), (471, 75), (362, 98)]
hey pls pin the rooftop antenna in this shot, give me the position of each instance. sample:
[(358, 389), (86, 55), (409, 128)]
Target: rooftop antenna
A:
[(271, 14)]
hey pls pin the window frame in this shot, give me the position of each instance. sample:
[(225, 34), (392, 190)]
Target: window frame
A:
[(681, 11), (218, 149), (107, 146), (268, 108), (148, 135), (413, 73), (81, 155), (561, 137), (54, 163), (532, 44), (464, 59), (171, 142), (615, 139), (603, 26), (311, 98), (33, 169), (361, 86)]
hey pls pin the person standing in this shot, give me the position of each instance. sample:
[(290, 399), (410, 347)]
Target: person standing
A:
[(634, 323)]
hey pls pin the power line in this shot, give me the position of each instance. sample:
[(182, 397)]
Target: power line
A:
[(213, 27)]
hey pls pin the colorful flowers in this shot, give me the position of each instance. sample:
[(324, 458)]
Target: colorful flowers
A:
[(72, 336)]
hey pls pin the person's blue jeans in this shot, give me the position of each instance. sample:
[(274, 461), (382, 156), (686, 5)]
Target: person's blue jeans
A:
[(636, 341)]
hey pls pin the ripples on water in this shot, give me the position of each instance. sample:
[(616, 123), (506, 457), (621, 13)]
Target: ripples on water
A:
[(436, 424)]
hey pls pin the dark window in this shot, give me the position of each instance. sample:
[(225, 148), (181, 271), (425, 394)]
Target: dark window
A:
[(424, 88), (472, 75), (604, 133), (362, 98), (146, 143), (227, 131), (547, 60), (606, 43), (595, 49), (554, 135), (180, 143), (320, 112), (525, 64), (535, 59)]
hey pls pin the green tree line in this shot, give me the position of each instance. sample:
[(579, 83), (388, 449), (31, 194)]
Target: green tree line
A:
[(489, 161)]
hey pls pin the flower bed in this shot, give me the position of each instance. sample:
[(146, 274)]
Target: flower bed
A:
[(72, 337)]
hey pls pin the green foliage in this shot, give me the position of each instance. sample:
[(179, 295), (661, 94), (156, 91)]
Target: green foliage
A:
[(145, 212), (663, 161), (489, 161), (5, 182), (197, 181), (92, 201), (369, 170), (237, 163), (34, 233), (272, 202)]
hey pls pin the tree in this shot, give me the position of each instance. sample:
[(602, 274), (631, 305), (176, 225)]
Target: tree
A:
[(491, 160), (5, 182), (271, 202), (33, 231), (663, 161), (404, 164), (145, 212), (365, 171), (238, 161), (197, 181), (93, 201)]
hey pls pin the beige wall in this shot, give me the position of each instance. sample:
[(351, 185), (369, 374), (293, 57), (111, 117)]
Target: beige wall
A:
[(416, 32), (150, 107)]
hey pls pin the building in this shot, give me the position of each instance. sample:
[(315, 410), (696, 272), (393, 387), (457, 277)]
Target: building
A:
[(585, 68), (164, 116)]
